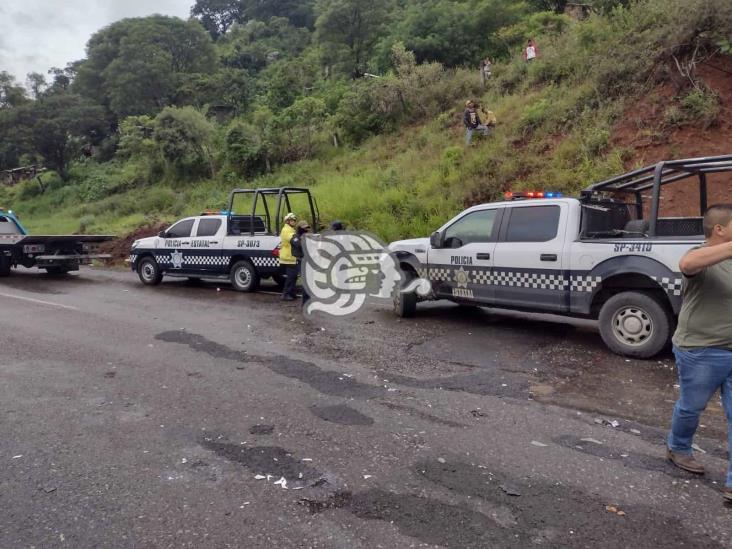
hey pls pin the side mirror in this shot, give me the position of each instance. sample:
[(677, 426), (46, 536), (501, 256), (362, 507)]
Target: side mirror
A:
[(162, 234), (436, 239)]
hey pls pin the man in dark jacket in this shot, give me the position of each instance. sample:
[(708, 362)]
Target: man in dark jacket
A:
[(303, 227), (472, 123)]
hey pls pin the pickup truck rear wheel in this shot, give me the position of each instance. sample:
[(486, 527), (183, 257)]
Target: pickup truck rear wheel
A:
[(149, 271), (635, 324), (4, 266), (57, 271), (244, 277)]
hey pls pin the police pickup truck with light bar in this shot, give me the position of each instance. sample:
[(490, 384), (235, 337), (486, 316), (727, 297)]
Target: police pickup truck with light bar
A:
[(242, 248), (608, 255), (56, 254)]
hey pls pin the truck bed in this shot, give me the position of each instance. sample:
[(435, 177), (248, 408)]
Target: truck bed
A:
[(57, 239)]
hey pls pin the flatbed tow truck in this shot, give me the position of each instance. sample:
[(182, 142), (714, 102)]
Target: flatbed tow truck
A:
[(57, 254)]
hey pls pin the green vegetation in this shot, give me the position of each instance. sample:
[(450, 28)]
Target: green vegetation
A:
[(252, 94)]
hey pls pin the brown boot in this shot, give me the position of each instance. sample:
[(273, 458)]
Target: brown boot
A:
[(685, 462), (727, 494)]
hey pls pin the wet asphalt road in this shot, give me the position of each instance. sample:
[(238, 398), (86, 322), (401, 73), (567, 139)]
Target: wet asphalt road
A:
[(169, 417)]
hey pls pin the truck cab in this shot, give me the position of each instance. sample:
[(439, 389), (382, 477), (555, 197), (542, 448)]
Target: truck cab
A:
[(604, 255)]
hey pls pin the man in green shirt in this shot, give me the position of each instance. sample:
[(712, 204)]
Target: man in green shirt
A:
[(703, 339)]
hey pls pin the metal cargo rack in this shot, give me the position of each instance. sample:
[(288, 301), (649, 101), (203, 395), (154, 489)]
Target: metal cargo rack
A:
[(655, 176)]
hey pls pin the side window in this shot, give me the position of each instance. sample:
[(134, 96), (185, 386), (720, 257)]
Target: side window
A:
[(6, 227), (475, 227), (182, 229), (533, 224), (208, 227)]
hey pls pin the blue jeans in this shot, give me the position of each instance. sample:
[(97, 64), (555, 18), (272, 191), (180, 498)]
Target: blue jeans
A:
[(701, 372), (481, 128)]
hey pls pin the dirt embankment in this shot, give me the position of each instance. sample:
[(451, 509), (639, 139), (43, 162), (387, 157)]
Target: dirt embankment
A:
[(645, 130), (120, 247)]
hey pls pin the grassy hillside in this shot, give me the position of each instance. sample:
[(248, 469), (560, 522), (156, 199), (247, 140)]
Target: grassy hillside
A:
[(557, 120)]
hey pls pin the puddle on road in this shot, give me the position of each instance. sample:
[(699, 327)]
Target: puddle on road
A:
[(342, 414), (261, 429), (636, 460), (202, 345), (265, 460), (324, 381), (482, 382), (546, 513), (420, 414), (428, 520)]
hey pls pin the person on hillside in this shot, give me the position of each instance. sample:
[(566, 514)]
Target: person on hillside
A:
[(337, 225), (486, 70), (287, 260), (472, 123), (298, 251), (703, 339), (531, 52), (487, 117)]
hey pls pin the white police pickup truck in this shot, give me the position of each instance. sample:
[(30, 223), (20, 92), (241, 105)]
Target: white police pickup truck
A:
[(223, 245), (595, 256)]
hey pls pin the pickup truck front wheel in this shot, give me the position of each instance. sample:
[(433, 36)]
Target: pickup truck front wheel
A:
[(149, 271), (405, 303), (635, 324)]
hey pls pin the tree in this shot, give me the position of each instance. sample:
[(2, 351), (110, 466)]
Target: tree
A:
[(60, 125), (557, 6), (252, 46), (352, 27), (217, 16), (11, 94), (299, 12), (37, 84), (450, 32), (229, 87), (301, 122), (135, 66), (184, 138)]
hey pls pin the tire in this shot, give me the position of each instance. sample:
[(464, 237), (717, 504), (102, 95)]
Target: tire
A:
[(149, 271), (405, 304), (244, 277), (4, 266), (635, 324), (57, 271)]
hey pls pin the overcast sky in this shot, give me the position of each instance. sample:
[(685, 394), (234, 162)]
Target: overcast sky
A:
[(36, 35)]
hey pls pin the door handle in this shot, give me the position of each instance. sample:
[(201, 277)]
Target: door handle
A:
[(548, 257), (482, 256)]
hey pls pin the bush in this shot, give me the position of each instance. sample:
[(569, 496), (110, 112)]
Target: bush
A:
[(184, 138), (702, 105), (245, 151)]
